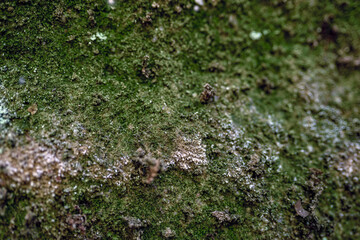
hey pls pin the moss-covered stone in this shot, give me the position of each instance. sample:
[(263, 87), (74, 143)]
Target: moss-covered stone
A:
[(179, 119)]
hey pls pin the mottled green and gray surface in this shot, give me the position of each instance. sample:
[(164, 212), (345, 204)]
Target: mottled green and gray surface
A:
[(179, 119)]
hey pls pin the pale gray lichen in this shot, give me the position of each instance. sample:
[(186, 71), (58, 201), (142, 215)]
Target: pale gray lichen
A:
[(99, 36), (168, 233), (118, 172), (4, 119), (4, 112), (349, 163), (255, 35), (190, 154)]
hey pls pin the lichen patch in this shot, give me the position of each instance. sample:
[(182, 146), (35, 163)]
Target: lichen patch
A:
[(349, 164), (190, 154), (4, 112)]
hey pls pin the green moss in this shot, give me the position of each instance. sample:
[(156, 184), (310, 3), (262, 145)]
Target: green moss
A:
[(120, 77)]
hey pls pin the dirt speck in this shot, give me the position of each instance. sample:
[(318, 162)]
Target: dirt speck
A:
[(32, 109), (208, 94)]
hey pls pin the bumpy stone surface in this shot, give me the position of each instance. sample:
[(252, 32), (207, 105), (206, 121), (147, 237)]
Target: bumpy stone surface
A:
[(179, 119)]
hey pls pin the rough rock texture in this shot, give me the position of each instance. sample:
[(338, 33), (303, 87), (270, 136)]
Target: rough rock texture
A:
[(179, 119)]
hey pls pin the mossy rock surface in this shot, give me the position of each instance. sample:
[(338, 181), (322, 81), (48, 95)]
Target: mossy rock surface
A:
[(179, 119)]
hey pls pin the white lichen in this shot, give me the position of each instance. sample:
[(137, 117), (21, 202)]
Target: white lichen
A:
[(4, 112), (199, 2), (349, 162), (99, 36), (190, 154), (255, 35)]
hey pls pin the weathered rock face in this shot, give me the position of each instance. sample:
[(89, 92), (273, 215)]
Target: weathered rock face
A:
[(179, 119), (33, 165)]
